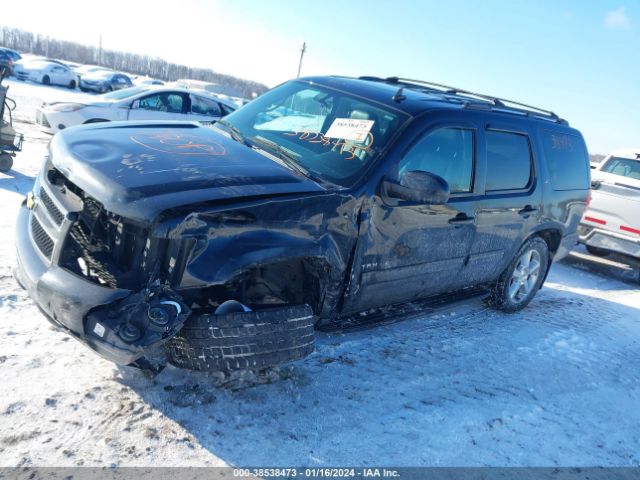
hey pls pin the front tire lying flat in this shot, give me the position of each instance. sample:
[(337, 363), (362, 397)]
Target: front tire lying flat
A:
[(522, 279), (243, 340)]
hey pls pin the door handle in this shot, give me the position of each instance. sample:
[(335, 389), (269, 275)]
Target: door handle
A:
[(461, 219), (527, 211)]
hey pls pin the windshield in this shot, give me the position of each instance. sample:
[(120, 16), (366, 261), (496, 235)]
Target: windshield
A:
[(624, 167), (330, 134), (125, 93)]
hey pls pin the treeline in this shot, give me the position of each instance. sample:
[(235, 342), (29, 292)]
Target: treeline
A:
[(27, 42)]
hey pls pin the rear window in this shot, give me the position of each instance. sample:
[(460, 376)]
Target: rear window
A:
[(567, 160), (625, 167), (508, 161)]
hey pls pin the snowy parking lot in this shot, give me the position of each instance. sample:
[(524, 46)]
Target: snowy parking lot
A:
[(557, 384)]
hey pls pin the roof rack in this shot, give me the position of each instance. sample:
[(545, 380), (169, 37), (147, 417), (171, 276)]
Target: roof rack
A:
[(499, 103)]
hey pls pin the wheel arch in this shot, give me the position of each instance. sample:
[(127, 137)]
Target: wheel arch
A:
[(96, 120)]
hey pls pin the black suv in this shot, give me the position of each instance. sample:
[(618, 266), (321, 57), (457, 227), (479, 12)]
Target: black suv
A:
[(324, 198)]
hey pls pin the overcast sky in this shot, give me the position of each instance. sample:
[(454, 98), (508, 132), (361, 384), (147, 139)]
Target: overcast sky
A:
[(578, 58)]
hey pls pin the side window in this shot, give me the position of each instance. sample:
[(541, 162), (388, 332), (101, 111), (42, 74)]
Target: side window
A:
[(508, 161), (163, 102), (567, 159), (226, 109), (205, 106), (447, 152)]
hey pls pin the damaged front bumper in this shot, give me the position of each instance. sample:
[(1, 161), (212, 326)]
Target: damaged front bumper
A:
[(119, 324)]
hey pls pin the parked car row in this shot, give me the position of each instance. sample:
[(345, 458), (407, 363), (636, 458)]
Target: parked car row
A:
[(134, 103)]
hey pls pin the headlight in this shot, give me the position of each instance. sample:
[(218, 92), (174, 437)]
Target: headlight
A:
[(66, 107)]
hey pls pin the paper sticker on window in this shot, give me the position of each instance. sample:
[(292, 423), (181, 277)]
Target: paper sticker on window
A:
[(350, 129)]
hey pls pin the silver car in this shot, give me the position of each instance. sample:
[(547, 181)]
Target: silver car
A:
[(611, 223)]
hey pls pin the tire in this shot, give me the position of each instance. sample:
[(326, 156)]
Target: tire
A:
[(522, 279), (243, 340), (82, 89), (6, 162), (46, 80), (598, 252), (72, 84)]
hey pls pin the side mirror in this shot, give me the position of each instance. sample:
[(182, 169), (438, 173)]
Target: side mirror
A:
[(418, 187), (135, 104)]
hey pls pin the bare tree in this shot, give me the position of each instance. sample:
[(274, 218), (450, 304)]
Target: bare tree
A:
[(132, 63)]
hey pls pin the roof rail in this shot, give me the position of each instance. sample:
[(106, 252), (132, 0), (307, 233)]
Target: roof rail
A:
[(500, 103)]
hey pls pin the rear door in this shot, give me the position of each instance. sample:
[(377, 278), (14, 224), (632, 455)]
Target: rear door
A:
[(161, 106), (410, 250), (510, 203)]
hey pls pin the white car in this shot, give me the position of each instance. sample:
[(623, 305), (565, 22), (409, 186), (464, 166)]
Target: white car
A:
[(47, 72), (611, 223), (135, 103), (144, 80)]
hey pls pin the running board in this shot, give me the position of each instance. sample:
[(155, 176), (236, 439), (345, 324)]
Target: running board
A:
[(405, 311)]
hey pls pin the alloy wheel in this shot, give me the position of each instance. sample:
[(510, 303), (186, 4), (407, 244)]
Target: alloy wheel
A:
[(525, 276)]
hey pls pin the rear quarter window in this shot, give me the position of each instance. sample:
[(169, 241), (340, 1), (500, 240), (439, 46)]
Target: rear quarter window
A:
[(567, 160)]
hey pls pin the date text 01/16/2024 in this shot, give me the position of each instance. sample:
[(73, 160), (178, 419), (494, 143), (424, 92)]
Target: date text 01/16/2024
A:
[(316, 472)]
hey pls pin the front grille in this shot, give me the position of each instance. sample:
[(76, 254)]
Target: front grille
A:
[(41, 238), (51, 207), (104, 247)]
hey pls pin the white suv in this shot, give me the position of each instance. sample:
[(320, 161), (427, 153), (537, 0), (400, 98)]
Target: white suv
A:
[(611, 222)]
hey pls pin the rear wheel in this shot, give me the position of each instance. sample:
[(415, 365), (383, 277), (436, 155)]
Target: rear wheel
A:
[(236, 340), (6, 162), (46, 80), (72, 84), (522, 279), (598, 252)]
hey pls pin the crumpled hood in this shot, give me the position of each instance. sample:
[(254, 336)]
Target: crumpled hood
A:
[(139, 169)]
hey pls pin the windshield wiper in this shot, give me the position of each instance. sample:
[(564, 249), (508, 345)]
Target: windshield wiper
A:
[(235, 133), (289, 158)]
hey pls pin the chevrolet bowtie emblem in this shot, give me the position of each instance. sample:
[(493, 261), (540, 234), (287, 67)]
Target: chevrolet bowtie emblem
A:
[(31, 202)]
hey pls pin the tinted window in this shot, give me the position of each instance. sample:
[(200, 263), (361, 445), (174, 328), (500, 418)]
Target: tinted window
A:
[(447, 152), (508, 161), (624, 167), (226, 109), (204, 106), (567, 160), (163, 102)]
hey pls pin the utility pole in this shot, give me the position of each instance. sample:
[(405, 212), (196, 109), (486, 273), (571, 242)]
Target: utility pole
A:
[(100, 50), (302, 50)]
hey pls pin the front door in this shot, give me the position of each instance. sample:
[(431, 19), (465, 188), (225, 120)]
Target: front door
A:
[(407, 250)]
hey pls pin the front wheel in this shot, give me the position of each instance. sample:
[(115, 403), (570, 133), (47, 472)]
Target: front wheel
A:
[(46, 80), (6, 162), (72, 84), (521, 280)]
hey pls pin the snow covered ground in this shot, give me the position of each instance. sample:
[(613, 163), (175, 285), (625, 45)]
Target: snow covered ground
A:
[(557, 384)]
